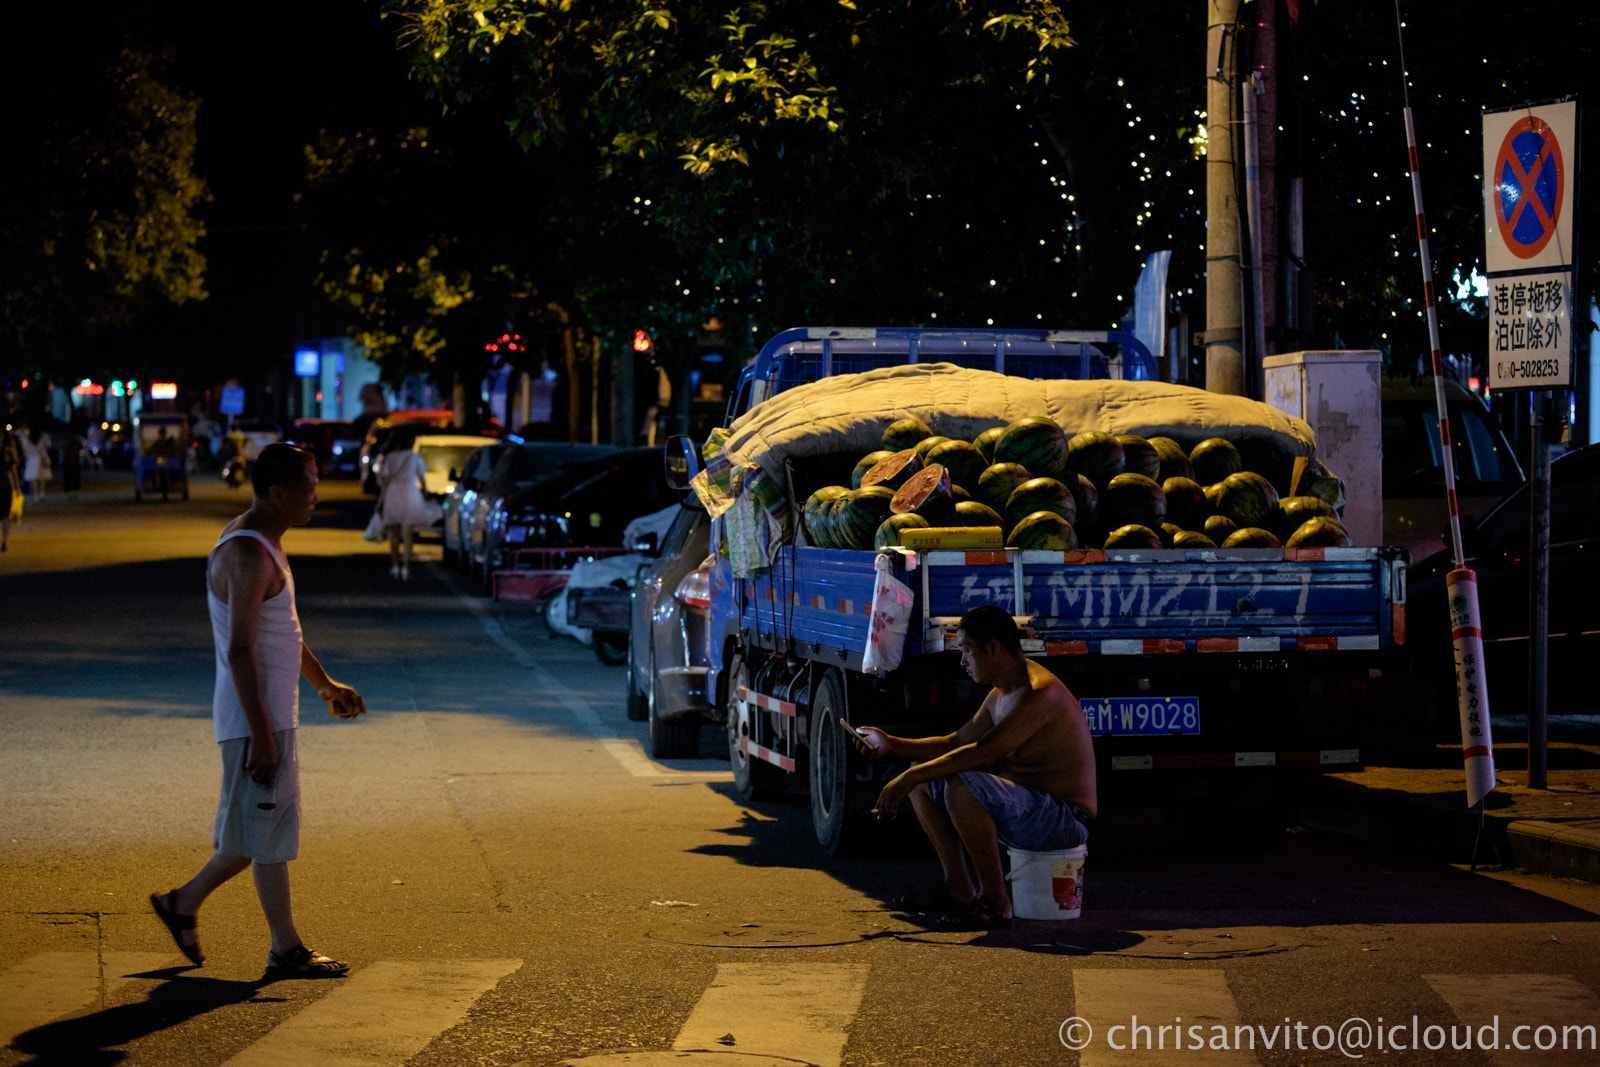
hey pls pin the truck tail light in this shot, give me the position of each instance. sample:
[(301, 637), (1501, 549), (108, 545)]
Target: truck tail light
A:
[(695, 589)]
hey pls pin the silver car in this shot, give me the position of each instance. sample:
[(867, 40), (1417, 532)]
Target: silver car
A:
[(461, 504)]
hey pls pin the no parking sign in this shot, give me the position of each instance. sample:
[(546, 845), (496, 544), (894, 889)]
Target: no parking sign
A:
[(1529, 201)]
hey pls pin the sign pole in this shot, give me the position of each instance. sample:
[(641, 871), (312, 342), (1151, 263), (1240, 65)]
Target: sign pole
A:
[(1539, 592)]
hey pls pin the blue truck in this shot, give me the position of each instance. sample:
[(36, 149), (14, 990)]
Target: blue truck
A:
[(1214, 680)]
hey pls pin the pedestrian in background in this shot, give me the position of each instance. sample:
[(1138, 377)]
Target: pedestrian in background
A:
[(72, 450), (35, 462), (255, 708), (402, 506), (11, 481)]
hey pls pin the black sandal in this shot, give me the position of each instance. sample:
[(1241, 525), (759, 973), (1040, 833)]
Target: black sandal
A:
[(301, 962), (977, 914), (933, 899), (176, 924)]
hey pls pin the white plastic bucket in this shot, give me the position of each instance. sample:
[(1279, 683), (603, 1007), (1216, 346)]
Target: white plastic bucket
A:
[(1047, 885)]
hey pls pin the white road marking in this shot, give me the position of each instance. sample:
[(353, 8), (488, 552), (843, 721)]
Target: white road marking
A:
[(1156, 1010), (624, 750), (1494, 1006), (53, 985), (384, 1013), (800, 1011)]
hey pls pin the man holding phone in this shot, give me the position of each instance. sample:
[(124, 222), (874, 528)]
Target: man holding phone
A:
[(1020, 771)]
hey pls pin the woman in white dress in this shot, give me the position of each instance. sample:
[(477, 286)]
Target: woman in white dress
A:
[(403, 508)]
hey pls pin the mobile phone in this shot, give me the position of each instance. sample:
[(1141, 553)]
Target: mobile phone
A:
[(855, 730)]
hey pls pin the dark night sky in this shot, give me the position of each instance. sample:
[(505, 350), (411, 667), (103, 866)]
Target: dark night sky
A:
[(266, 86)]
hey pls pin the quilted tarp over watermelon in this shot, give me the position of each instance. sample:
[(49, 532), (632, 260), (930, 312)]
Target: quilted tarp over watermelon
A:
[(848, 413)]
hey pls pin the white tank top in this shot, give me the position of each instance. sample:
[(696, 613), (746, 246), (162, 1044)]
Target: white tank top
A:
[(278, 642)]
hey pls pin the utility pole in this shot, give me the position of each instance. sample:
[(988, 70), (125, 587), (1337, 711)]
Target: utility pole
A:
[(1224, 334)]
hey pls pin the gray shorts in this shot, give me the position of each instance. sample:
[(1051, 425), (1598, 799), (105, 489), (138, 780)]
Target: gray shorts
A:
[(258, 822), (1023, 817)]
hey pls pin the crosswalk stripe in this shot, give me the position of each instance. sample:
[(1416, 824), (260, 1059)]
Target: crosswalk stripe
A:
[(801, 1011), (1155, 1010), (1494, 1006), (51, 985), (384, 1013)]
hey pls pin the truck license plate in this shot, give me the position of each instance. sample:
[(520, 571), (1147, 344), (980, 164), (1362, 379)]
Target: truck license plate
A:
[(1142, 716)]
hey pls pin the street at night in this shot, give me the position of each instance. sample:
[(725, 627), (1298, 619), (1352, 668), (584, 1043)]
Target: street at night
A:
[(514, 881)]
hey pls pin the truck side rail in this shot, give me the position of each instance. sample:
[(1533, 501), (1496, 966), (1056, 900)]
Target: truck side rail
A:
[(1097, 602)]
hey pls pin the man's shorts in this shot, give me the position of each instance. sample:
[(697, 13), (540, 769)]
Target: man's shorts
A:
[(1024, 817), (259, 822)]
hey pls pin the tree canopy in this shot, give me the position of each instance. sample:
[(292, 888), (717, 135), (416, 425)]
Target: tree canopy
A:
[(97, 202)]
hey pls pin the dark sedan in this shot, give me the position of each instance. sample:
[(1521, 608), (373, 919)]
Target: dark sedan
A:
[(1497, 551), (668, 650), (587, 505), (518, 469)]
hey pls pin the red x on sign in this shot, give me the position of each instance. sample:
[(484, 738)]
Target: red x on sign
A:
[(1528, 185)]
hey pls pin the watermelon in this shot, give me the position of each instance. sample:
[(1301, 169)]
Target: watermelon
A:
[(1043, 529), (1133, 499), (1036, 443), (961, 458), (958, 493), (972, 513), (1213, 497), (888, 535), (868, 461), (1319, 532), (997, 482), (1139, 456), (815, 521), (1293, 512), (1186, 501), (1191, 539), (985, 442), (1318, 481), (1087, 498), (893, 471), (1214, 459), (857, 517), (1096, 455), (1174, 460), (1248, 499), (924, 446), (905, 433), (1218, 527), (1039, 494), (926, 493), (1169, 533), (1252, 537), (1262, 455), (1133, 535)]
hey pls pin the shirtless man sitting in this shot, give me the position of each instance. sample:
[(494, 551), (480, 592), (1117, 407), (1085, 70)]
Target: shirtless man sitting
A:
[(1020, 771)]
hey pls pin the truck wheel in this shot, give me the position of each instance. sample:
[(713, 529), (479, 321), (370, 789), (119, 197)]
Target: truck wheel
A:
[(670, 740), (638, 707), (831, 768), (754, 778)]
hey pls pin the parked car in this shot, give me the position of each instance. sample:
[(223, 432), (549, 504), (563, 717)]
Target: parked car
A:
[(332, 441), (463, 498), (519, 467), (588, 505), (1415, 510), (1497, 551), (443, 456), (668, 642)]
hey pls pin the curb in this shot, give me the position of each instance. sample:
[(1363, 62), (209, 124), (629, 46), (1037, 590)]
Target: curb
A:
[(1427, 827)]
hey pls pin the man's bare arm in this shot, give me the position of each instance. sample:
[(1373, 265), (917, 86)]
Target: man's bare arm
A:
[(875, 744), (344, 701)]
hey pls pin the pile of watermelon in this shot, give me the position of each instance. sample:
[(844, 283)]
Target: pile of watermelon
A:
[(1048, 490)]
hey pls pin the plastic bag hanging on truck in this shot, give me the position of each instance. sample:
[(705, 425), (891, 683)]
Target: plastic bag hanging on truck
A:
[(891, 618)]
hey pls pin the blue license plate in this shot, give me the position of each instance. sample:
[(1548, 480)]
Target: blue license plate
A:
[(1142, 716)]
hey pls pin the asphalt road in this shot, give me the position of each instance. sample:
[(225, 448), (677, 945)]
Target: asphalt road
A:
[(515, 881)]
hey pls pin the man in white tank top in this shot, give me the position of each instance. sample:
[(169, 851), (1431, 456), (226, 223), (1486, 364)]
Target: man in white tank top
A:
[(261, 657)]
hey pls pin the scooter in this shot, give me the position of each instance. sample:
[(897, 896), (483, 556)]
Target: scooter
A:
[(236, 471)]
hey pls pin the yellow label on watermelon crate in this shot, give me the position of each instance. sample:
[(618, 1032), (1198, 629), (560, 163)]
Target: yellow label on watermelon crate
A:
[(952, 537)]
